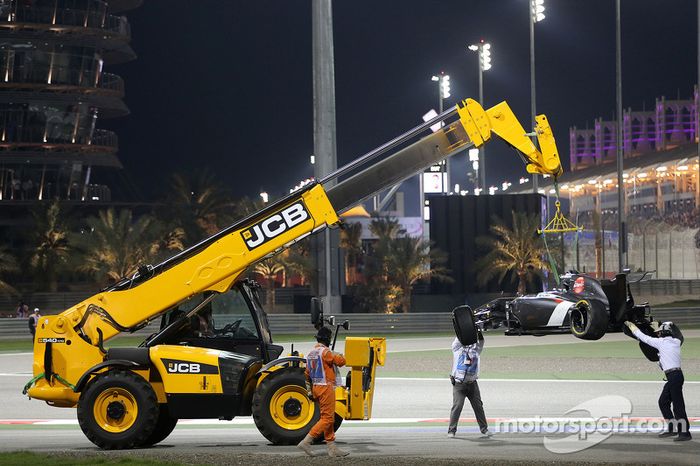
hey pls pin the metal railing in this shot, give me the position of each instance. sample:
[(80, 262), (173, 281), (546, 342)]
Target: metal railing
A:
[(53, 134), (90, 14), (48, 77), (112, 82)]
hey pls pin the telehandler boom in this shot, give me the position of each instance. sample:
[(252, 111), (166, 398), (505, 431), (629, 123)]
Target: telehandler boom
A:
[(191, 368)]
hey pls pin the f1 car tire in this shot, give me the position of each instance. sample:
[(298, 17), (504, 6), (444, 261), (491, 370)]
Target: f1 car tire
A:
[(464, 325), (589, 320)]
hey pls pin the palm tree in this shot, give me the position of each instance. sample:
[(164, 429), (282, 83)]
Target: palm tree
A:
[(297, 260), (385, 228), (268, 269), (409, 261), (350, 241), (246, 206), (114, 245), (8, 264), (199, 203), (52, 252), (377, 293), (516, 249)]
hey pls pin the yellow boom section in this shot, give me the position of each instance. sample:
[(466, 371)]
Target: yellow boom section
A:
[(216, 263), (499, 119), (214, 268)]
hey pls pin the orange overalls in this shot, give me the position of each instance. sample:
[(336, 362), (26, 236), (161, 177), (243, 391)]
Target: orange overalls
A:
[(320, 369)]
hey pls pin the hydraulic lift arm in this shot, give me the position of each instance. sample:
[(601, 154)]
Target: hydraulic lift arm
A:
[(472, 129), (217, 262)]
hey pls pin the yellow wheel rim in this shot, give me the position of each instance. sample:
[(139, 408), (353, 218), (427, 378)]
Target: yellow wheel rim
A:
[(290, 408), (115, 410)]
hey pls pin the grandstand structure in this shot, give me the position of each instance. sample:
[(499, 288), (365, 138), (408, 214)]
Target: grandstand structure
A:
[(660, 168), (660, 148), (53, 93)]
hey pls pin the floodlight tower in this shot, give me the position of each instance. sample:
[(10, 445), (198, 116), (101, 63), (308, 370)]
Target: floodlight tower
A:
[(484, 51), (443, 81), (536, 15)]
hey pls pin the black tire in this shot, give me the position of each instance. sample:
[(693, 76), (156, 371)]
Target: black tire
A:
[(589, 320), (336, 425), (651, 353), (127, 410), (464, 325), (284, 392), (165, 425)]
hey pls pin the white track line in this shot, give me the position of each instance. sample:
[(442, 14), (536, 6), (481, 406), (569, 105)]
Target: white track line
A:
[(248, 421), (444, 379)]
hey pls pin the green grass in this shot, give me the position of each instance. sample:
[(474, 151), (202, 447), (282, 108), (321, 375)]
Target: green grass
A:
[(598, 349), (601, 350), (15, 346), (24, 458)]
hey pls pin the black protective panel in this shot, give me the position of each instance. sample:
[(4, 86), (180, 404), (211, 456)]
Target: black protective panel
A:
[(138, 355), (186, 406), (455, 224)]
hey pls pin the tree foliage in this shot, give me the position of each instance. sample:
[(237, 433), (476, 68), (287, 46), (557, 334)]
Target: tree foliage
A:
[(269, 269), (51, 253), (8, 265), (351, 243), (518, 249), (198, 204), (393, 264), (114, 244), (411, 260)]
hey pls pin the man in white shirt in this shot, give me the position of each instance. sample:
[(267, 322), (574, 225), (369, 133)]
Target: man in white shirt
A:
[(465, 372), (670, 362)]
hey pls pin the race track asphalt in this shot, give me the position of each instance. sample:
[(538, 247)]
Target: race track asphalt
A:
[(409, 419)]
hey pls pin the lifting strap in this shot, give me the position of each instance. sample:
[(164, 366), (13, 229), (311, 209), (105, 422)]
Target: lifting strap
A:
[(43, 376), (558, 224)]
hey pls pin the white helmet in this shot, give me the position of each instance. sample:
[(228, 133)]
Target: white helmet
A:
[(665, 329)]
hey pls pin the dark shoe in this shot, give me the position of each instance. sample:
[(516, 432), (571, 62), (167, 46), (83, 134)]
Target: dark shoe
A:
[(683, 438), (667, 434)]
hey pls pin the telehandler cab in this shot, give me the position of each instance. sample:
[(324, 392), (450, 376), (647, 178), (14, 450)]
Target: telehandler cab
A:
[(133, 397)]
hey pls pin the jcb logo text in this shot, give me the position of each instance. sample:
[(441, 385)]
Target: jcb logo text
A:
[(275, 225), (183, 368)]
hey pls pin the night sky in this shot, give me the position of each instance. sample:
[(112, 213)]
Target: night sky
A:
[(227, 84)]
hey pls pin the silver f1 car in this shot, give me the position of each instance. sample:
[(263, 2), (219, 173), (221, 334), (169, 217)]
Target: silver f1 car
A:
[(584, 306)]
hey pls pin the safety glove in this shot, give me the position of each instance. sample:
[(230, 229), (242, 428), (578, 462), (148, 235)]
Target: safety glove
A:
[(633, 328), (309, 391)]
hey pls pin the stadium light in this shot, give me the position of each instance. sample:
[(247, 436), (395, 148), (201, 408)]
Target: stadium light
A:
[(484, 51), (537, 10)]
